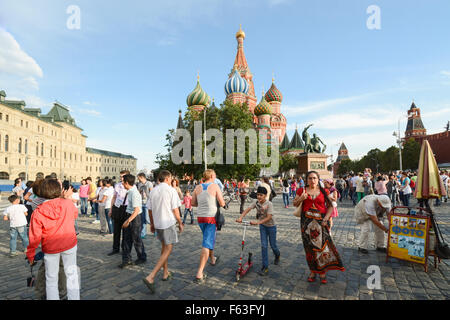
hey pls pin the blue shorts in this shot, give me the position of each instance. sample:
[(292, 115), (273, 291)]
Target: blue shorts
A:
[(209, 235)]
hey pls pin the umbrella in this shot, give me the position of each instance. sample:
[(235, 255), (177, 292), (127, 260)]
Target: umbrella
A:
[(429, 184)]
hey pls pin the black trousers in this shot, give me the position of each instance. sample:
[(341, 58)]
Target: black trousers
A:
[(132, 235), (119, 216)]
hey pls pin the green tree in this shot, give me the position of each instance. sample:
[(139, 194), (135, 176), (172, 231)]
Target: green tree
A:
[(411, 154), (288, 162), (228, 116)]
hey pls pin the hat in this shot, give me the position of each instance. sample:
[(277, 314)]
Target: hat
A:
[(261, 190), (385, 202)]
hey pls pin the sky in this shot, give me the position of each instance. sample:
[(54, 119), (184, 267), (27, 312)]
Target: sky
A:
[(128, 68)]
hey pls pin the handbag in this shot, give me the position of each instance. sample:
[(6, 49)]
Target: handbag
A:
[(298, 211), (220, 219), (273, 194), (442, 249)]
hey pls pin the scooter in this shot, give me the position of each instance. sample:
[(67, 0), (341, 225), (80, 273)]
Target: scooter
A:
[(243, 269)]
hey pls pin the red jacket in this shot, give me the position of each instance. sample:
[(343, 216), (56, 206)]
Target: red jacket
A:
[(53, 224)]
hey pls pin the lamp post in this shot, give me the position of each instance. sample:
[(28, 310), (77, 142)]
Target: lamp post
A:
[(399, 142), (204, 135)]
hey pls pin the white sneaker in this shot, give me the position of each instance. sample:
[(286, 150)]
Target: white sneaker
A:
[(96, 221)]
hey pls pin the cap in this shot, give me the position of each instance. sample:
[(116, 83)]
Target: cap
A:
[(261, 190), (385, 202)]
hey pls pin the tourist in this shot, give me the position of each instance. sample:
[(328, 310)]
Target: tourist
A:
[(267, 228), (359, 182), (380, 185), (132, 226), (163, 209), (100, 186), (205, 197), (84, 189), (391, 188), (92, 196), (405, 189), (370, 210), (187, 201), (52, 226), (145, 187), (333, 196), (17, 190), (243, 192), (301, 182), (285, 191), (367, 184), (76, 202), (102, 202), (321, 254), (118, 213), (293, 187), (16, 213)]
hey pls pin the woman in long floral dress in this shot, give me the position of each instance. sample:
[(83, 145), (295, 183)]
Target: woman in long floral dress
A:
[(321, 254)]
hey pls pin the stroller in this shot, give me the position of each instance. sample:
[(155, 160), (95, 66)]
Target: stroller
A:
[(243, 269)]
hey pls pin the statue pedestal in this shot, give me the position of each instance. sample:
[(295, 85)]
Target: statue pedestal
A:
[(313, 162)]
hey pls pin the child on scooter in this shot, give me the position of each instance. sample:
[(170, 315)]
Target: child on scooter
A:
[(267, 228)]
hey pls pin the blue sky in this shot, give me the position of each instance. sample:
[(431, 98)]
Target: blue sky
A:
[(128, 69)]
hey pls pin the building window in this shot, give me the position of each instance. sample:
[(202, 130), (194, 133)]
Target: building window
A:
[(26, 146), (70, 156), (20, 161), (51, 151), (21, 123), (6, 143), (6, 160), (42, 149), (1, 116), (20, 145), (37, 148), (65, 156), (26, 124), (7, 118)]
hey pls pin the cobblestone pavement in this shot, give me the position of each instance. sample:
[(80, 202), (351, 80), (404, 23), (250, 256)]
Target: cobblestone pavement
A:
[(101, 279)]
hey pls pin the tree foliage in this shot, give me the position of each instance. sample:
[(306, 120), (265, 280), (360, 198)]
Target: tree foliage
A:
[(228, 116)]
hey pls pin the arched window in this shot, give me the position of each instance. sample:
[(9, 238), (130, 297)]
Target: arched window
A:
[(26, 146), (6, 143), (42, 149), (4, 175), (37, 148), (20, 145), (51, 151)]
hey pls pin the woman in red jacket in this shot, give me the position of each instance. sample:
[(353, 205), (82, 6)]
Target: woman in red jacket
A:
[(321, 254), (52, 226)]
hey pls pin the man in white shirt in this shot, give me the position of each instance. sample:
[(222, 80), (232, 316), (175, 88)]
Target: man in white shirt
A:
[(145, 187), (162, 205)]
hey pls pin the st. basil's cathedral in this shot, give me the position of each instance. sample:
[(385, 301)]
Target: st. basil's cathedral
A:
[(239, 88)]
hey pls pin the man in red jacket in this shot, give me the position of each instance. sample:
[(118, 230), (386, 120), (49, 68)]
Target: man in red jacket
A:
[(53, 226)]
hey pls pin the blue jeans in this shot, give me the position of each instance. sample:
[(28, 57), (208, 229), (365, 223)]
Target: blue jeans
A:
[(83, 205), (144, 220), (23, 234), (286, 199), (406, 199), (270, 232), (109, 221), (95, 210), (190, 211)]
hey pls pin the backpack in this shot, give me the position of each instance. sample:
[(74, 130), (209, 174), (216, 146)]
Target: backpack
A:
[(412, 184), (339, 184)]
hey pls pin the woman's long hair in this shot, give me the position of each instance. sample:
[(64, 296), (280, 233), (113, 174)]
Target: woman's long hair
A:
[(328, 201)]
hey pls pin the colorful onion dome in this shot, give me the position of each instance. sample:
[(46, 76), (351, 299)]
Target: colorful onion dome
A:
[(197, 97), (263, 108), (240, 33), (236, 84), (273, 94)]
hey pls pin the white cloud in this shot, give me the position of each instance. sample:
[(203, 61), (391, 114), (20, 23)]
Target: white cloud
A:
[(90, 103), (445, 73), (91, 112), (16, 62)]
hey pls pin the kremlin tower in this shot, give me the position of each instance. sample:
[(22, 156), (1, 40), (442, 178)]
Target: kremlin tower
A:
[(415, 125)]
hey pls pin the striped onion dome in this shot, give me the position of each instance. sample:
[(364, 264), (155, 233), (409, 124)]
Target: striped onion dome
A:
[(273, 94), (236, 84), (197, 97), (263, 108)]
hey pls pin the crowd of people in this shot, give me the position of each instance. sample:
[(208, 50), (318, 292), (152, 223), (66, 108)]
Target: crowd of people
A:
[(45, 212)]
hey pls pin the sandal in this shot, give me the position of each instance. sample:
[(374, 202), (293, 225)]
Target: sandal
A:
[(169, 276), (312, 278), (200, 280), (217, 259), (150, 286)]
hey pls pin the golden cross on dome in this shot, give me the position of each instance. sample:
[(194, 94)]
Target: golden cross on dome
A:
[(273, 77), (198, 75)]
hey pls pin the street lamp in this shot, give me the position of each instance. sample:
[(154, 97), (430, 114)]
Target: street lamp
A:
[(399, 142), (204, 134)]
